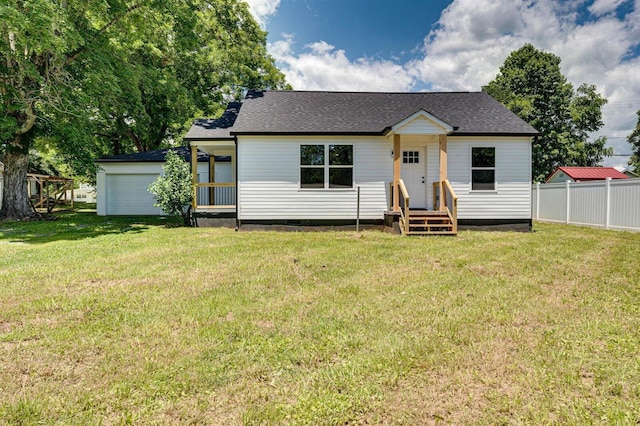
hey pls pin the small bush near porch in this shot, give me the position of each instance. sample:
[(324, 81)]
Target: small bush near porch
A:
[(107, 321)]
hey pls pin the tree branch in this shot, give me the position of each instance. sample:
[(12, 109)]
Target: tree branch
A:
[(136, 141), (76, 53)]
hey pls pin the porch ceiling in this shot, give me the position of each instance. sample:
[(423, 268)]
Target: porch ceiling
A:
[(220, 148)]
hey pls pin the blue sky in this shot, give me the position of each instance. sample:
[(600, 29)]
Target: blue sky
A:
[(376, 33), (444, 45)]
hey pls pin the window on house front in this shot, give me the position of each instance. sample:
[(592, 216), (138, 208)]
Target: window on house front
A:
[(483, 169), (410, 157), (326, 166)]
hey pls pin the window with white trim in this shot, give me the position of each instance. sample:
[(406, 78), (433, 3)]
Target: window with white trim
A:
[(326, 166), (410, 157), (483, 169)]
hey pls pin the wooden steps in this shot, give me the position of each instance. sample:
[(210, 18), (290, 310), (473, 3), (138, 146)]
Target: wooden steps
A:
[(430, 222)]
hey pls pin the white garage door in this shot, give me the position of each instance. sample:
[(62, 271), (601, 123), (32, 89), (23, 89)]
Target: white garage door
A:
[(129, 195)]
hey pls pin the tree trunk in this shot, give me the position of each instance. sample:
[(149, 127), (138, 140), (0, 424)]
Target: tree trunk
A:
[(15, 199)]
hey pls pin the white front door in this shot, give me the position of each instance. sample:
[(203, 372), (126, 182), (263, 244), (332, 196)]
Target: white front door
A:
[(414, 173)]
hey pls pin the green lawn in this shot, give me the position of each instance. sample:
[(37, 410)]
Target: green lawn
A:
[(120, 320)]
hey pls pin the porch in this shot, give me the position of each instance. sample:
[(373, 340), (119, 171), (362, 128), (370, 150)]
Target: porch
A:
[(214, 192), (420, 218)]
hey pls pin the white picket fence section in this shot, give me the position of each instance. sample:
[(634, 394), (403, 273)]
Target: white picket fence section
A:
[(609, 204)]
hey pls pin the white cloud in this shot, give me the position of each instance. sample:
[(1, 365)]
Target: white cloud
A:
[(323, 67), (601, 7), (467, 48), (471, 40), (263, 9)]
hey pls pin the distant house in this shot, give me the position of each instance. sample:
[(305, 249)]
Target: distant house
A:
[(427, 160), (631, 173), (583, 174), (85, 193)]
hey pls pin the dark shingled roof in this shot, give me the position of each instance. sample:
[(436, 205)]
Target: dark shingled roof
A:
[(215, 128), (364, 113), (158, 156)]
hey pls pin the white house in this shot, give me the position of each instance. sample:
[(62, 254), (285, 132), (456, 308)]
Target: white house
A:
[(85, 193), (302, 157)]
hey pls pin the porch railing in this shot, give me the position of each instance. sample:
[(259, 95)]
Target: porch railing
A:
[(449, 201), (214, 195)]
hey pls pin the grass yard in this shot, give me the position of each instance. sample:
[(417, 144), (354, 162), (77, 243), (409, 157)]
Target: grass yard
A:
[(130, 321)]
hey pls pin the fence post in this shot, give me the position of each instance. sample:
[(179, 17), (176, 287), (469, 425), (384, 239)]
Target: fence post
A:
[(537, 200), (607, 214), (568, 187), (358, 212)]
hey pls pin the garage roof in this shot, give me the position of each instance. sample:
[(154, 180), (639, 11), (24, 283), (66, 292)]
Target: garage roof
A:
[(158, 156)]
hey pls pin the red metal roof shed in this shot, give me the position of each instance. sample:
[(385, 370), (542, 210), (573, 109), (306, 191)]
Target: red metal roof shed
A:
[(588, 173)]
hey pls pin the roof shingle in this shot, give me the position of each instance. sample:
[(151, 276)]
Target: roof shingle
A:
[(215, 128), (370, 113)]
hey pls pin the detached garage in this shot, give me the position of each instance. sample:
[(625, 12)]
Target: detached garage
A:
[(123, 180)]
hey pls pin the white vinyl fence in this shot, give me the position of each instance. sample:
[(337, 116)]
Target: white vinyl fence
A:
[(609, 204)]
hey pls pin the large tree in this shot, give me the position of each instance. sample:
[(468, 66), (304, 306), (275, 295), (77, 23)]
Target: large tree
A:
[(110, 76), (531, 85), (634, 140)]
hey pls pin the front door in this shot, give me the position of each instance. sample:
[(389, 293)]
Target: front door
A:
[(414, 172)]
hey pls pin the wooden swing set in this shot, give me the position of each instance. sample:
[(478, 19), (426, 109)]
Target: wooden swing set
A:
[(45, 192)]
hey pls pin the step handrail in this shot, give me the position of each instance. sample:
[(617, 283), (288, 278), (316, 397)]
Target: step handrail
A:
[(453, 212), (404, 207), (404, 204)]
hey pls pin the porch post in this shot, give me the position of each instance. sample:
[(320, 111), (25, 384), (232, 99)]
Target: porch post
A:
[(212, 178), (442, 139), (396, 172), (194, 175)]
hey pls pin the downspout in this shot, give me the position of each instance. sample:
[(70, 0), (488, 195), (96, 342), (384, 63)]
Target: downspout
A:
[(235, 141)]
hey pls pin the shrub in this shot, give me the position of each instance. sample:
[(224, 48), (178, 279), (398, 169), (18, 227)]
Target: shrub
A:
[(173, 190)]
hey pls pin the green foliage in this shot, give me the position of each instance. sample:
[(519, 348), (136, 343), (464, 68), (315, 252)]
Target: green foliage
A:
[(531, 85), (634, 140), (97, 78), (184, 60), (173, 191)]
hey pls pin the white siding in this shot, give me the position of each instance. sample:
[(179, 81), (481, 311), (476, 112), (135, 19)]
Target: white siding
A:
[(512, 197), (122, 188), (269, 174), (420, 126)]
